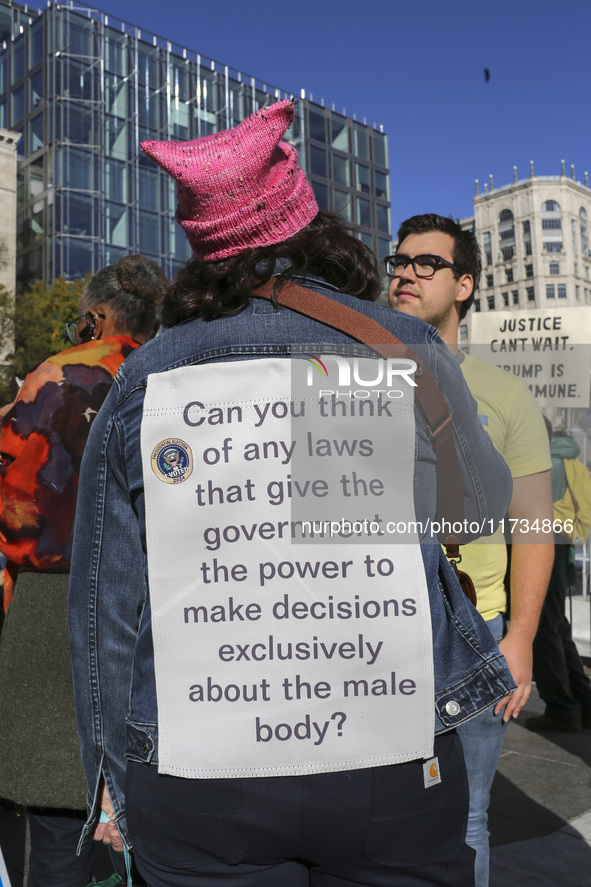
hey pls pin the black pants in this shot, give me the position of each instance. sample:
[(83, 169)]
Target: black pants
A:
[(558, 670), (54, 836), (377, 827), (13, 829)]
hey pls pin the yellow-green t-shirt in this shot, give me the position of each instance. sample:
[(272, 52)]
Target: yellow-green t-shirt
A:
[(512, 418)]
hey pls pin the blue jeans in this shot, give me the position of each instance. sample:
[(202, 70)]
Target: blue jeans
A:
[(482, 740)]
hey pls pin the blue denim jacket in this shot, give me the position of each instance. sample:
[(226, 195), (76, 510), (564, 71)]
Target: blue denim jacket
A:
[(109, 607)]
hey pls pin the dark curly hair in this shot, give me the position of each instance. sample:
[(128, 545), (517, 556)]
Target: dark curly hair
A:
[(325, 248), (466, 249)]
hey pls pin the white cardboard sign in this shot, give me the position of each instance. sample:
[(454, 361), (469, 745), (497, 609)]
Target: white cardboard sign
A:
[(549, 348), (277, 655)]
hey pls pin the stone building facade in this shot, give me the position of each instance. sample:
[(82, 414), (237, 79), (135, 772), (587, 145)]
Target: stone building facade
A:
[(534, 236)]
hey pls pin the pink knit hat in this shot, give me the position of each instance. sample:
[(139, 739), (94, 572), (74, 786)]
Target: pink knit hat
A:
[(239, 188)]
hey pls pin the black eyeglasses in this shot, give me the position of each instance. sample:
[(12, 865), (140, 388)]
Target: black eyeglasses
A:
[(423, 266), (72, 326)]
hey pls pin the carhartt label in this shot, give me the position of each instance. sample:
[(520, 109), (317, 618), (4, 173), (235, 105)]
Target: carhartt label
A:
[(278, 648), (431, 772)]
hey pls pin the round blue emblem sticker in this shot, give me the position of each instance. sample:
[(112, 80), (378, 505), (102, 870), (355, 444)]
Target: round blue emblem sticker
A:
[(172, 461)]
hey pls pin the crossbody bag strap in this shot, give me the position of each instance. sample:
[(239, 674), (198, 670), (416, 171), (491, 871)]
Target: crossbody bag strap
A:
[(431, 403)]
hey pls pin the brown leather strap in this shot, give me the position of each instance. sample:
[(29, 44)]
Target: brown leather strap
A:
[(432, 405), (452, 553)]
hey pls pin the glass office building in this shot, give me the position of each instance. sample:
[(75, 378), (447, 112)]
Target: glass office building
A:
[(85, 89)]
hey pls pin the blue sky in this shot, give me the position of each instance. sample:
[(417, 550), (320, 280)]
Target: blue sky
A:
[(418, 69)]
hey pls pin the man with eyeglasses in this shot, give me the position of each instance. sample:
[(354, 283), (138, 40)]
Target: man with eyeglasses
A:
[(434, 275)]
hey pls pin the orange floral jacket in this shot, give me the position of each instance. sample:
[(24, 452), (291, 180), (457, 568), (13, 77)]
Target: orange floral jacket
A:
[(41, 444)]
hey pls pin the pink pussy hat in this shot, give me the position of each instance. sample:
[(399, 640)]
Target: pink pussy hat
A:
[(239, 188)]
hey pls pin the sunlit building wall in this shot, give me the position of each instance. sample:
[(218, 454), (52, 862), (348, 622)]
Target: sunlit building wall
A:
[(534, 235)]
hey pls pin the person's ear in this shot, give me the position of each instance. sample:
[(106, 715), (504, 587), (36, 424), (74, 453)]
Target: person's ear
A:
[(94, 327), (465, 287), (98, 325)]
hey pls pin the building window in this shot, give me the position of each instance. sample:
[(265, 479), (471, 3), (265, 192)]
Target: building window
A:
[(554, 267), (341, 170), (384, 247), (550, 293), (321, 194), (18, 60), (584, 231), (489, 280), (506, 235), (562, 290), (526, 228), (18, 105), (339, 132), (505, 297), (363, 212), (578, 293), (380, 149), (529, 270), (515, 296), (317, 124), (487, 247), (35, 43), (342, 204), (381, 189), (551, 226), (361, 141), (36, 133), (463, 332), (362, 178), (116, 224), (576, 269), (531, 294), (36, 89), (477, 305), (383, 218), (508, 275), (573, 231), (490, 301), (586, 272), (318, 162)]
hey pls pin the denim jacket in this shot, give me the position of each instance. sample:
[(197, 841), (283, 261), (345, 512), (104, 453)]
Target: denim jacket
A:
[(109, 608)]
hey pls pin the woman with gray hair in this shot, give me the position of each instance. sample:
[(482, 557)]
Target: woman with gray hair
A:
[(43, 436)]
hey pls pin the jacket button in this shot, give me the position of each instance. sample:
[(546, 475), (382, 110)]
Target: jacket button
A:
[(144, 746), (452, 708)]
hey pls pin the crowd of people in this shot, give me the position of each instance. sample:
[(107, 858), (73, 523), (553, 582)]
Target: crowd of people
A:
[(173, 389)]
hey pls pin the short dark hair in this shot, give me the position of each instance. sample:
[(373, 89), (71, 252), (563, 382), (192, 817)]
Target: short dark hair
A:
[(325, 248), (466, 249), (133, 289)]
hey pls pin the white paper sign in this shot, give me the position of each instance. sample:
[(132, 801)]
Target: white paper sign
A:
[(273, 655), (549, 348)]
